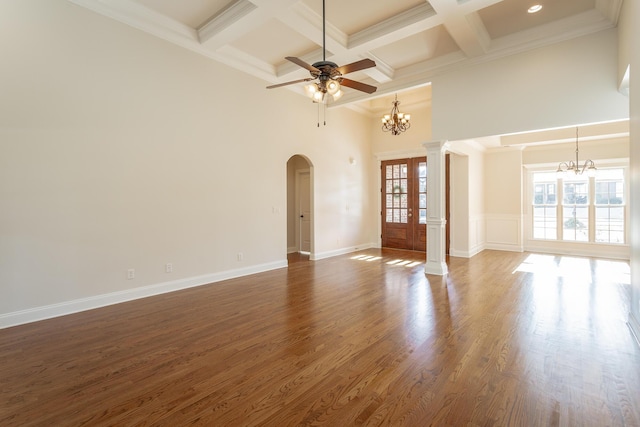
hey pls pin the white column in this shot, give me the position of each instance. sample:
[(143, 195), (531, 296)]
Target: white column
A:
[(436, 219)]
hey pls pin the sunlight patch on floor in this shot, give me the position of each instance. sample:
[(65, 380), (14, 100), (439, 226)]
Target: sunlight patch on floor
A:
[(368, 258), (396, 262), (575, 269)]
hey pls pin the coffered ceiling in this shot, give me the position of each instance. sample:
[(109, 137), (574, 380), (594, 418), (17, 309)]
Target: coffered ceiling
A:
[(410, 40)]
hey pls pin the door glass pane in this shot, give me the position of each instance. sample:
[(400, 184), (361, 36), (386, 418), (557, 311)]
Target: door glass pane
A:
[(423, 216), (422, 193), (403, 216), (422, 185), (396, 196), (403, 170)]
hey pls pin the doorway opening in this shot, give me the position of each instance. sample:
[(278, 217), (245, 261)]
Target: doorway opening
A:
[(299, 208)]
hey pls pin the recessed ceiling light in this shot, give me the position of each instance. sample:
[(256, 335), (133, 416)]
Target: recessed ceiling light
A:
[(535, 8)]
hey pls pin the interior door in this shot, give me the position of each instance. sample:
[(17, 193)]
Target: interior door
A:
[(304, 210), (404, 204)]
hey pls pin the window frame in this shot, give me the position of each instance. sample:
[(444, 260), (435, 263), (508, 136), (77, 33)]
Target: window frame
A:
[(536, 243)]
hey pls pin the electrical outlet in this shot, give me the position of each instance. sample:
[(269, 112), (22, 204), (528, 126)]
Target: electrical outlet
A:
[(131, 274), (168, 268), (240, 256)]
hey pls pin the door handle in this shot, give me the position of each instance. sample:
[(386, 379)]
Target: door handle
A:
[(301, 216)]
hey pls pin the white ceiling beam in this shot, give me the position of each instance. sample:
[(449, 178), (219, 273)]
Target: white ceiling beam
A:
[(225, 19), (398, 24), (466, 29), (242, 17)]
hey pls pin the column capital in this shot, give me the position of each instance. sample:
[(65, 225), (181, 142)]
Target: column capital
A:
[(440, 145)]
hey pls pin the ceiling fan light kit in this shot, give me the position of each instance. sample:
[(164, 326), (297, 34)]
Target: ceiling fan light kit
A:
[(328, 75)]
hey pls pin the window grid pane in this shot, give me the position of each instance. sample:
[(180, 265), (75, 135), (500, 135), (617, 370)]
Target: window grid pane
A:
[(575, 223), (576, 193)]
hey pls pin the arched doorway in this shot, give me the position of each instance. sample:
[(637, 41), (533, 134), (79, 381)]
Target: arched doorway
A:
[(300, 206)]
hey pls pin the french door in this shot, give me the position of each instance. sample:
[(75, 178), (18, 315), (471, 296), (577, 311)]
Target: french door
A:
[(404, 204)]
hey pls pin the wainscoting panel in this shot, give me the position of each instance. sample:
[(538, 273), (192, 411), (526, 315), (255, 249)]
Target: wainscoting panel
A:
[(504, 232)]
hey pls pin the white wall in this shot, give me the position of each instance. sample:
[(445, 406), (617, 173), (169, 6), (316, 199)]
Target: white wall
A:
[(467, 183), (630, 33), (565, 84), (383, 143), (119, 150), (503, 199)]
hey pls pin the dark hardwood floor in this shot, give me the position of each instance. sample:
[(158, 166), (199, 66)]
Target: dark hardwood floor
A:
[(507, 339)]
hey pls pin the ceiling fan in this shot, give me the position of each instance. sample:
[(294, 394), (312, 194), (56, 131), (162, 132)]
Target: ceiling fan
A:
[(328, 74)]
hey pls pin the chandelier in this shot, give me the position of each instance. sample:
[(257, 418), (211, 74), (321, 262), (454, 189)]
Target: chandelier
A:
[(395, 122), (571, 166)]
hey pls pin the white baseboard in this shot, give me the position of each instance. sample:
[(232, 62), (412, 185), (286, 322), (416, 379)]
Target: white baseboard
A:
[(466, 254), (505, 247), (69, 307), (328, 254), (584, 249)]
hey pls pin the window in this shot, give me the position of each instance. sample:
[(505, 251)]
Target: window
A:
[(575, 209), (544, 206), (579, 208), (609, 206)]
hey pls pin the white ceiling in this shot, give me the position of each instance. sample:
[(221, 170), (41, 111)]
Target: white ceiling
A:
[(410, 40)]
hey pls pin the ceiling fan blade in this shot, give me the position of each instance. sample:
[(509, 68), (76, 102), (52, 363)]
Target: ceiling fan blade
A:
[(356, 66), (302, 64), (363, 87), (290, 83)]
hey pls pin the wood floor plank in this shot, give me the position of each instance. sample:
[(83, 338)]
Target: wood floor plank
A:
[(506, 339)]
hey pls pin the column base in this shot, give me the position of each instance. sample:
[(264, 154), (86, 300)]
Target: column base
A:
[(436, 268)]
